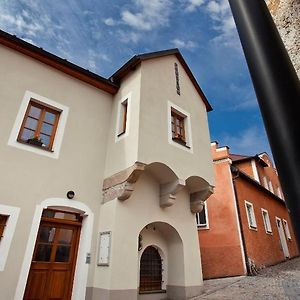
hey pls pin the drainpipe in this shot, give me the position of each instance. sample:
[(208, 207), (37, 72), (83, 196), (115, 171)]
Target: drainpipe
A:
[(235, 174)]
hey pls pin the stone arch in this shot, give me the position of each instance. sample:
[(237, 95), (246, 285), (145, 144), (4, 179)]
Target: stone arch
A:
[(166, 239), (81, 270)]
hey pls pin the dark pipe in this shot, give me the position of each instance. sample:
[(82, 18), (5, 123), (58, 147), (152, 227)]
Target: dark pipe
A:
[(278, 93)]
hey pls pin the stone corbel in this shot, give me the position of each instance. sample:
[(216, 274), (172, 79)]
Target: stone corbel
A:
[(198, 198), (168, 192), (121, 185)]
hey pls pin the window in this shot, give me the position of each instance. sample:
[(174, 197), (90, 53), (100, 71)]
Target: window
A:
[(201, 218), (266, 220), (286, 229), (265, 182), (39, 125), (3, 221), (178, 130), (123, 116), (150, 270), (250, 215), (8, 221), (279, 192), (271, 187)]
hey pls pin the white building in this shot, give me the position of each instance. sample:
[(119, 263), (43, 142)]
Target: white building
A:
[(100, 178)]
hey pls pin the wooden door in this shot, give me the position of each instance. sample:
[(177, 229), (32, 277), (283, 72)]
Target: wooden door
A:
[(53, 263), (150, 270)]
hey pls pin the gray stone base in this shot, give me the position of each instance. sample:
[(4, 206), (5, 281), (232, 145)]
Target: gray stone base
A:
[(183, 292), (173, 293), (103, 294)]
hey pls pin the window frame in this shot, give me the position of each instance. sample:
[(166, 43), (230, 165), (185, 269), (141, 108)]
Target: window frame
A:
[(286, 229), (266, 220), (8, 233), (178, 134), (3, 224), (123, 117), (57, 143), (252, 225), (40, 121), (186, 143), (197, 216)]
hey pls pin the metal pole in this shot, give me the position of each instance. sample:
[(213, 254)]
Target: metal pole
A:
[(277, 89)]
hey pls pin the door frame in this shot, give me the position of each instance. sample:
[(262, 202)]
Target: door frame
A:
[(282, 238), (81, 268)]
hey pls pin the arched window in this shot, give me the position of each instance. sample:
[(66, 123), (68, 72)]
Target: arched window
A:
[(150, 270)]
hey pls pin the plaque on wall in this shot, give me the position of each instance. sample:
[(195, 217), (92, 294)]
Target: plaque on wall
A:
[(104, 248)]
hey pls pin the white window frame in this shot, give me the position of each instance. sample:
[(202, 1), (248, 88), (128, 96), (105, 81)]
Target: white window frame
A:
[(12, 141), (13, 214), (199, 225), (252, 226), (187, 127), (266, 220), (279, 193), (271, 187), (120, 114), (286, 229), (265, 182)]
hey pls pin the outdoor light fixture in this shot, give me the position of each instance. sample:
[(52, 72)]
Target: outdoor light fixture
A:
[(70, 194)]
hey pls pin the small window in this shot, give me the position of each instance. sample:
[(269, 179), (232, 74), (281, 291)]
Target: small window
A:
[(201, 218), (123, 117), (3, 221), (271, 187), (250, 215), (265, 182), (178, 128), (266, 220), (286, 229), (39, 125)]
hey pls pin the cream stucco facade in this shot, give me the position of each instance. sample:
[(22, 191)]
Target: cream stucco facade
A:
[(140, 188)]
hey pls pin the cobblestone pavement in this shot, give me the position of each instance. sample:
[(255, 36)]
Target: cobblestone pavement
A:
[(277, 282)]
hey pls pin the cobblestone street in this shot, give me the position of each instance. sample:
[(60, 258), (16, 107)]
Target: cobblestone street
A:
[(277, 282)]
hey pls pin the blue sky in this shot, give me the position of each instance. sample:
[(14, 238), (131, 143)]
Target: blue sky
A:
[(101, 35)]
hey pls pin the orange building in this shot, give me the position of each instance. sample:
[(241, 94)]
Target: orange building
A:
[(245, 224)]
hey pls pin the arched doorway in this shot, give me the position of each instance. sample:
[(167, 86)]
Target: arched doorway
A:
[(54, 257), (150, 270)]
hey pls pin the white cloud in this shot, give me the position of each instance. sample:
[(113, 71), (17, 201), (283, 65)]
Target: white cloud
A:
[(193, 5), (189, 45), (250, 141), (21, 24), (109, 22), (129, 37), (219, 11), (148, 14)]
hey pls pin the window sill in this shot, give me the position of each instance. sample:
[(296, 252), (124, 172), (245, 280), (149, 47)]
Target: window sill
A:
[(153, 292), (35, 146), (253, 228), (120, 134), (181, 142)]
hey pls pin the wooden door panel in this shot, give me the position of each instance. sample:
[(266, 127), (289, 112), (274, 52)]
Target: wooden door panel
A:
[(58, 280), (37, 282)]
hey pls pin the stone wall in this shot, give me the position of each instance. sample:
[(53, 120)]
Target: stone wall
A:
[(286, 14)]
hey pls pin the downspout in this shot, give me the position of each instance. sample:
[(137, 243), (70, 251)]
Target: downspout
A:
[(235, 174)]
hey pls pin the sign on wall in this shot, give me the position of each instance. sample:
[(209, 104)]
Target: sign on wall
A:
[(104, 248)]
